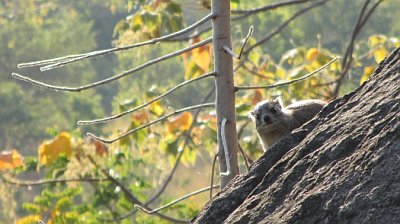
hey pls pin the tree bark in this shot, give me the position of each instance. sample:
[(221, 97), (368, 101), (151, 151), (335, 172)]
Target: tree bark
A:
[(225, 99), (341, 167)]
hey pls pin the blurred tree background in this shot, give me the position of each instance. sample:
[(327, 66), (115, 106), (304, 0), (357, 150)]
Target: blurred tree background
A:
[(33, 30)]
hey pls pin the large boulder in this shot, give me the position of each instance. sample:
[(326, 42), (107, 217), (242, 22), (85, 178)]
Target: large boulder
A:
[(341, 167)]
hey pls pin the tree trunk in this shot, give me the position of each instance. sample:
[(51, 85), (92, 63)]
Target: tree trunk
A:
[(341, 167), (225, 103)]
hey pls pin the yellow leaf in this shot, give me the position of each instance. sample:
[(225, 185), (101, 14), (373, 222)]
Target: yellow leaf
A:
[(156, 108), (202, 57), (376, 40), (49, 151), (10, 159), (380, 54), (257, 97), (312, 54), (367, 73), (181, 122), (30, 219)]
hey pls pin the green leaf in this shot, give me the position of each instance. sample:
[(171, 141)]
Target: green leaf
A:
[(150, 20), (173, 8)]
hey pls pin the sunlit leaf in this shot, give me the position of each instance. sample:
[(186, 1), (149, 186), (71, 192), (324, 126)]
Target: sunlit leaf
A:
[(189, 155), (376, 40), (367, 73), (181, 122), (49, 151), (257, 96), (192, 70), (202, 57), (149, 20), (29, 219), (312, 54), (136, 22), (10, 159), (156, 108), (380, 54)]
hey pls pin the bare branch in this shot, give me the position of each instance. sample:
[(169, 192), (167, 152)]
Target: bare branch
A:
[(57, 62), (192, 35), (249, 34), (150, 123), (223, 138), (229, 51), (30, 183), (348, 55), (212, 173), (285, 24), (268, 7), (246, 162), (211, 74), (287, 82), (113, 78), (175, 201)]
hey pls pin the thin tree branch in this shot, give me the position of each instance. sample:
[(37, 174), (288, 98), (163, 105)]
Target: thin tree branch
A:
[(348, 55), (287, 82), (249, 34), (255, 72), (223, 138), (101, 120), (113, 78), (244, 157), (268, 7), (128, 193), (30, 183), (56, 62), (150, 123), (212, 173), (180, 154), (191, 36), (283, 25), (230, 51), (175, 201)]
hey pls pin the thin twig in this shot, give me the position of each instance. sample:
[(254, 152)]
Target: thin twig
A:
[(212, 173), (249, 34), (113, 78), (211, 74), (244, 157), (108, 141), (283, 25), (72, 58), (223, 138), (30, 183), (192, 35), (268, 7), (175, 201), (287, 82), (348, 55), (230, 51)]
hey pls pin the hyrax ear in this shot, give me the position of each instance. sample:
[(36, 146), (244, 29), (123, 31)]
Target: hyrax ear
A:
[(252, 115), (278, 102)]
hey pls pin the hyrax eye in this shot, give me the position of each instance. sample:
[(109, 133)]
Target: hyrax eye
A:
[(273, 110)]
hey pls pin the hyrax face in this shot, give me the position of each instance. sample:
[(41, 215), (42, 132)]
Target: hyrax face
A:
[(266, 115)]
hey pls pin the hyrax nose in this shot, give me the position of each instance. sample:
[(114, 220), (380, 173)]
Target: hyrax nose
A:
[(266, 119)]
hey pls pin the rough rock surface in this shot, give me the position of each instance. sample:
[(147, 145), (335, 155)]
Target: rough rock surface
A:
[(341, 167)]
